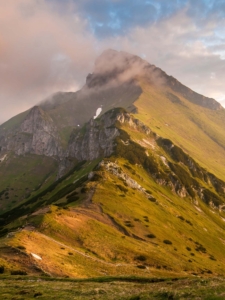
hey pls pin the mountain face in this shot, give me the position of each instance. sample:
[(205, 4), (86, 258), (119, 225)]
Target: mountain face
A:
[(37, 134), (126, 175)]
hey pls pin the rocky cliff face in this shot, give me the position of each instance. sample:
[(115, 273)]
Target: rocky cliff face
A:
[(96, 139), (37, 134), (103, 137), (114, 83)]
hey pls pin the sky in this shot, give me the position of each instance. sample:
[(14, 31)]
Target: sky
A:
[(48, 46)]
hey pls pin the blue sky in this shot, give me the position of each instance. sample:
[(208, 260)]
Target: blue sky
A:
[(117, 17), (51, 45)]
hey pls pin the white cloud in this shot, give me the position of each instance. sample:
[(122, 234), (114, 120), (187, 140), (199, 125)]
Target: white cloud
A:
[(46, 48), (42, 51), (179, 47)]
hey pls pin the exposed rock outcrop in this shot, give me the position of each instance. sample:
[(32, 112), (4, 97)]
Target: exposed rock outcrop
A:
[(116, 170), (96, 139), (37, 134)]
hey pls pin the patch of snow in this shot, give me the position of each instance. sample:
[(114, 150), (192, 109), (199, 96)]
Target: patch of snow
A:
[(199, 209), (3, 158), (223, 219), (205, 229), (148, 143), (98, 111), (125, 143), (36, 256), (164, 160)]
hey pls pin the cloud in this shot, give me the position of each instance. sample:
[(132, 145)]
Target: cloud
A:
[(183, 49), (113, 67), (49, 45), (42, 50)]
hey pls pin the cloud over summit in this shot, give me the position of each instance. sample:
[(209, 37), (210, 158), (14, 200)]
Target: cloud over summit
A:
[(50, 45), (41, 52)]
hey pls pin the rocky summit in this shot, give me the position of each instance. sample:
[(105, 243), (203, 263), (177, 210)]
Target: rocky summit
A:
[(123, 177)]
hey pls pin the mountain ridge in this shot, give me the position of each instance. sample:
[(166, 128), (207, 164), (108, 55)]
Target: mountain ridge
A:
[(138, 189), (131, 178)]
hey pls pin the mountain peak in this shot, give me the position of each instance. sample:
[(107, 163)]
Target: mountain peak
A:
[(112, 60), (116, 67)]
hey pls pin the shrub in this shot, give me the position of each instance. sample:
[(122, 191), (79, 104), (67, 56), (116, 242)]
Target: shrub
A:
[(21, 247), (129, 225), (189, 222), (188, 248), (96, 177), (2, 269), (18, 272), (37, 294), (141, 267), (152, 199), (127, 166), (151, 236), (140, 257), (168, 242), (148, 192), (200, 248), (210, 196), (84, 190), (212, 257), (72, 194), (72, 199), (122, 188), (135, 298)]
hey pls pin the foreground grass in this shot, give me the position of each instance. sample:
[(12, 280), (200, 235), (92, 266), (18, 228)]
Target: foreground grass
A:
[(19, 288)]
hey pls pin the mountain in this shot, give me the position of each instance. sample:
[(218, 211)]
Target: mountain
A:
[(125, 176)]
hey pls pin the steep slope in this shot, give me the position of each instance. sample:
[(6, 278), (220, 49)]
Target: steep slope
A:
[(148, 209), (135, 194), (45, 129), (198, 130), (27, 142), (36, 134)]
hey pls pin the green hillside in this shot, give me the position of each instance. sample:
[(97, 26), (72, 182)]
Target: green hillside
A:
[(198, 130), (127, 205), (139, 212)]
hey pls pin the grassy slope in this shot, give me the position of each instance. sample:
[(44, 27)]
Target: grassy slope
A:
[(21, 175), (199, 131), (14, 122), (105, 231), (112, 288), (64, 237)]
